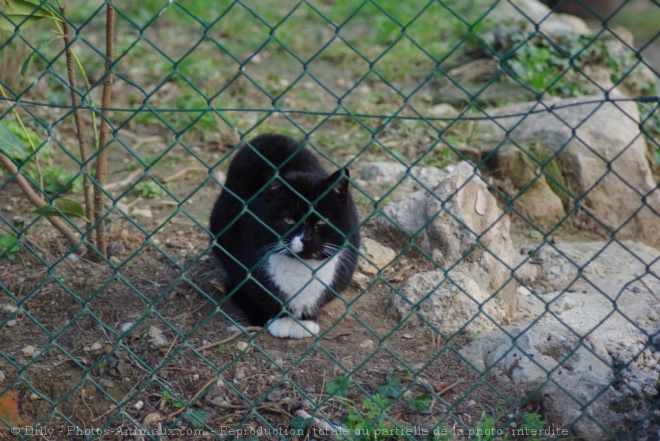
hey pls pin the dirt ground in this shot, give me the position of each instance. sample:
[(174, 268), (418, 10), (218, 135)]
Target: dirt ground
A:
[(116, 347)]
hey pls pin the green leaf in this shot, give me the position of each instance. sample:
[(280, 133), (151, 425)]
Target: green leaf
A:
[(391, 388), (28, 60), (9, 247), (62, 207), (338, 387), (421, 403), (10, 145), (196, 417), (23, 13)]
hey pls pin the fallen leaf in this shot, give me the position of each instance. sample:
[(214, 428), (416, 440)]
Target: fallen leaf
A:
[(9, 409)]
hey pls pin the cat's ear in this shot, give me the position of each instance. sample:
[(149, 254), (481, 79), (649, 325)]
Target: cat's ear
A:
[(339, 182)]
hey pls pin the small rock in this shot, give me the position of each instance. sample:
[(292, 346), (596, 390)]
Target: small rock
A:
[(443, 110), (8, 308), (2, 377), (106, 384), (11, 323), (275, 396), (159, 341), (153, 417), (154, 332), (139, 405), (34, 397), (144, 213), (96, 347), (28, 351), (240, 374), (241, 345), (375, 257), (367, 344), (360, 280), (126, 327)]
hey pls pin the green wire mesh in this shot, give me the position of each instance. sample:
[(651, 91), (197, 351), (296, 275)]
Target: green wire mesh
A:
[(195, 80)]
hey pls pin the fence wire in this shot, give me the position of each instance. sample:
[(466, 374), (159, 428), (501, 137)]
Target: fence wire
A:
[(131, 343)]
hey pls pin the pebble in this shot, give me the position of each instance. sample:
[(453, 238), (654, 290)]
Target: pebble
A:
[(159, 341), (139, 405), (367, 344), (11, 323), (240, 374), (106, 384), (28, 351), (95, 347), (126, 326), (144, 213), (153, 417), (34, 397), (275, 396), (241, 345), (2, 377), (154, 332)]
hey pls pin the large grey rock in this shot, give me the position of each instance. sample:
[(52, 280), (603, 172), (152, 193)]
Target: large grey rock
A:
[(450, 304), (594, 339), (469, 230), (379, 178), (531, 13), (461, 227), (601, 153)]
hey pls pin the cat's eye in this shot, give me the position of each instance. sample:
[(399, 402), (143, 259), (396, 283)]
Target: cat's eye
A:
[(289, 221)]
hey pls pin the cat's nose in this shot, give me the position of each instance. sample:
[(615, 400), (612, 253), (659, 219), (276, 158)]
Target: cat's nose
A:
[(307, 238)]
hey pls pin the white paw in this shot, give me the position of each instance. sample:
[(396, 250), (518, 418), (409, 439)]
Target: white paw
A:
[(286, 327)]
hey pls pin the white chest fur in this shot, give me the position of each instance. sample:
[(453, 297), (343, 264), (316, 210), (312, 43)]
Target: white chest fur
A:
[(302, 281)]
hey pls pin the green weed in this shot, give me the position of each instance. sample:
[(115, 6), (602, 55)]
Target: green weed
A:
[(149, 189), (9, 247)]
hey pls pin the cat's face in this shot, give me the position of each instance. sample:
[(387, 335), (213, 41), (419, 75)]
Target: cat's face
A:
[(309, 215)]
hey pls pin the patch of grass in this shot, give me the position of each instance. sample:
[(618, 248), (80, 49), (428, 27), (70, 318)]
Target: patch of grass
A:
[(149, 189)]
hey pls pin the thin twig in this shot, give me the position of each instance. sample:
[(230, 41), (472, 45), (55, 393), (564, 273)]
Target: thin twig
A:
[(118, 185), (38, 201), (102, 158), (230, 338), (183, 408), (181, 173), (80, 127)]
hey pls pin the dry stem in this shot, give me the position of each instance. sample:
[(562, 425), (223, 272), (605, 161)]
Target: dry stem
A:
[(80, 128), (38, 201), (102, 158)]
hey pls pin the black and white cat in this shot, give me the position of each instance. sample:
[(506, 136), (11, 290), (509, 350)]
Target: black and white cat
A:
[(287, 235)]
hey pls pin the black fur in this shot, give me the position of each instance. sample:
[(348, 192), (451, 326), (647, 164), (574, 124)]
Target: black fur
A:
[(264, 185)]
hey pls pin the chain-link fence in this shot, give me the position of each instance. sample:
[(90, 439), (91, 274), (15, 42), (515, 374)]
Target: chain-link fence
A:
[(504, 160)]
